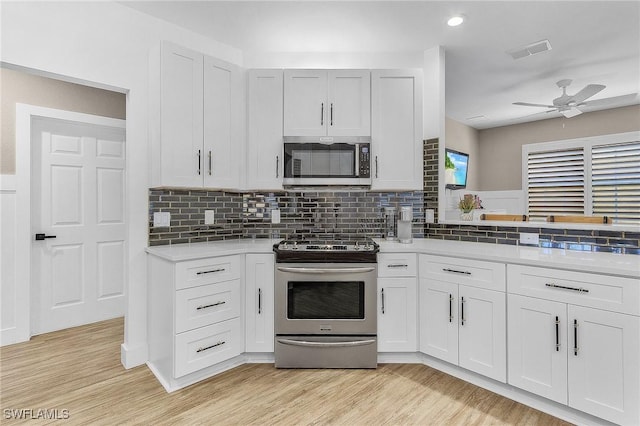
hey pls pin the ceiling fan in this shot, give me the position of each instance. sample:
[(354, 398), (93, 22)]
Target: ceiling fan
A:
[(567, 105)]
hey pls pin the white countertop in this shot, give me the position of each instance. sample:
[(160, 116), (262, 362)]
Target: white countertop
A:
[(627, 265), (191, 251), (604, 263)]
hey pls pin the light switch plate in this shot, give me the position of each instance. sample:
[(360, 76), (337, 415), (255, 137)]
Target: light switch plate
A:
[(209, 217), (161, 219), (529, 238)]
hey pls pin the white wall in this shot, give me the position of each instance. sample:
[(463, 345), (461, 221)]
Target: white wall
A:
[(105, 45)]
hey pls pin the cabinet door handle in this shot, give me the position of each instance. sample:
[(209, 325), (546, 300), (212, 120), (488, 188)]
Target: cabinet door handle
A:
[(259, 301), (277, 165), (557, 334), (376, 167), (564, 287), (575, 337), (382, 295), (450, 307), (322, 114), (199, 161), (462, 311), (456, 271), (210, 271), (222, 342), (210, 167), (211, 305), (331, 114)]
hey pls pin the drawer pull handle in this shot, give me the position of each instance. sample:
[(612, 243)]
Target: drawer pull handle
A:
[(211, 271), (456, 271), (398, 265), (564, 287), (557, 334), (210, 306), (211, 347)]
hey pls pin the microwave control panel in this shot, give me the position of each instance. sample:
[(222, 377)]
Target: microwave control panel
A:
[(364, 157)]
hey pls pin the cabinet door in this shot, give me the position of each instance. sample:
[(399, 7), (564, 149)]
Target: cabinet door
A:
[(396, 130), (538, 346), (264, 150), (349, 94), (181, 117), (305, 102), (483, 332), (397, 315), (222, 137), (259, 310), (439, 319), (604, 371)]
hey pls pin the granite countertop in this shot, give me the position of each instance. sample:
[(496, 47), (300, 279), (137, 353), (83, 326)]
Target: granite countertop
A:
[(625, 265)]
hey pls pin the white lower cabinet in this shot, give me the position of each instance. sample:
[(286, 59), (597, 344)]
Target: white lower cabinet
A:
[(397, 305), (194, 315), (585, 357), (259, 303), (464, 324), (397, 315)]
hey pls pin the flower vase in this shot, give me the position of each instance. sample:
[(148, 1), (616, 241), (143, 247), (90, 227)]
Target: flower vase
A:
[(468, 216)]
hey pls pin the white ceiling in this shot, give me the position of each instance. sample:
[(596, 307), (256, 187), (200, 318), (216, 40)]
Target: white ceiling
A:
[(592, 42)]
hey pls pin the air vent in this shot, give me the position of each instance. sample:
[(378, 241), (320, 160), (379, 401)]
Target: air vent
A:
[(531, 49)]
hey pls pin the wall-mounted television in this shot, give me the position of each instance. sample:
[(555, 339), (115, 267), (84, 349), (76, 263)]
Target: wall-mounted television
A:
[(456, 167)]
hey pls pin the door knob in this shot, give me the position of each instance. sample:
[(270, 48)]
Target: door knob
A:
[(41, 237)]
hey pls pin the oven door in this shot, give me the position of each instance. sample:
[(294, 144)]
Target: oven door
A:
[(329, 299)]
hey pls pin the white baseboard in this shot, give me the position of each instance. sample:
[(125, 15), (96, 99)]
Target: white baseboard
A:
[(10, 336), (133, 357)]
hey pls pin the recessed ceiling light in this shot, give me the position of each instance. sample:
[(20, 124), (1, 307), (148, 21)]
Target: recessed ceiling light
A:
[(454, 21)]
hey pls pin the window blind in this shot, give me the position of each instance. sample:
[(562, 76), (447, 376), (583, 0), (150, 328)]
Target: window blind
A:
[(615, 181), (555, 182)]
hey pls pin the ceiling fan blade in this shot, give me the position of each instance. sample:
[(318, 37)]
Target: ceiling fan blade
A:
[(533, 105), (571, 112), (622, 100), (588, 91)]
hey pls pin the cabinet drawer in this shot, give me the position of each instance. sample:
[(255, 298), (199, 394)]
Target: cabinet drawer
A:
[(208, 304), (397, 265), (207, 271), (578, 288), (206, 346), (475, 273)]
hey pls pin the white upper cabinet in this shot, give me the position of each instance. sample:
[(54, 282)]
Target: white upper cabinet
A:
[(196, 121), (327, 103), (264, 147), (396, 129)]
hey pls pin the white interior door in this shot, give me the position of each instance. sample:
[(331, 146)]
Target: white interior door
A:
[(78, 185)]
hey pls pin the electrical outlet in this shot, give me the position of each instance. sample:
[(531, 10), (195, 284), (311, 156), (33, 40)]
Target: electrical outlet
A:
[(429, 216), (209, 217), (529, 239), (161, 219), (275, 216)]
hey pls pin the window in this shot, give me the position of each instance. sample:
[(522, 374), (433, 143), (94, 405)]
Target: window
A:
[(597, 176)]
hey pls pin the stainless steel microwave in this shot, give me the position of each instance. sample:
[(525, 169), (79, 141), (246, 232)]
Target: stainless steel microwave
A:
[(327, 160)]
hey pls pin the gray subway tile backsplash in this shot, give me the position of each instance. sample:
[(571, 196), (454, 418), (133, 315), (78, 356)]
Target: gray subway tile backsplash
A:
[(345, 214)]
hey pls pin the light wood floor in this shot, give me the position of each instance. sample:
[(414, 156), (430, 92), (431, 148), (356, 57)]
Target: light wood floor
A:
[(79, 370)]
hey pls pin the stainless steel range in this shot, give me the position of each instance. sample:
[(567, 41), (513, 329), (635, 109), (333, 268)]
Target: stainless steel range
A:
[(325, 301)]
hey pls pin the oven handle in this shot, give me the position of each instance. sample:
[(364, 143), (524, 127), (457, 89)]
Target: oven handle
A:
[(325, 270), (326, 344)]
